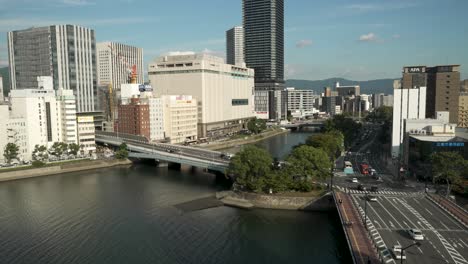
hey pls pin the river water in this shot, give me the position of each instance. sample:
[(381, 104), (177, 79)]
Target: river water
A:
[(127, 215)]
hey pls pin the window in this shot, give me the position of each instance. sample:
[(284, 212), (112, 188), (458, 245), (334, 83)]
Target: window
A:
[(236, 102)]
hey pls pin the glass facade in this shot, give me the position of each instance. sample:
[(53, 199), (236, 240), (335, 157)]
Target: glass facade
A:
[(264, 39)]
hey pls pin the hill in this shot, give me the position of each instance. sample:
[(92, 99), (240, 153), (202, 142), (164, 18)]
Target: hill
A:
[(367, 87), (6, 80)]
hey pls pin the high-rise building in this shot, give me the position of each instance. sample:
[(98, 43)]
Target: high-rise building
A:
[(263, 23), (443, 89), (407, 104), (377, 100), (464, 86), (463, 110), (235, 46), (115, 61), (301, 100), (65, 52), (86, 133), (350, 90), (224, 92), (387, 100)]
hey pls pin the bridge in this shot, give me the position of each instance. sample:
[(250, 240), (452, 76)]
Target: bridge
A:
[(302, 124), (139, 147)]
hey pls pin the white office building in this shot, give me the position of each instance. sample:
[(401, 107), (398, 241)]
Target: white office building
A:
[(115, 61), (235, 46), (86, 133), (301, 100), (407, 104), (1, 90), (66, 105), (65, 52), (180, 118), (224, 92)]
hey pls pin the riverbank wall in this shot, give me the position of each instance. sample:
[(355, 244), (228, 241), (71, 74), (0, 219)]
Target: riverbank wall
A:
[(322, 203), (243, 141), (61, 168)]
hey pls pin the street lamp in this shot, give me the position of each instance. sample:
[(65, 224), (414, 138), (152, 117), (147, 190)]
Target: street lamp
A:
[(403, 249)]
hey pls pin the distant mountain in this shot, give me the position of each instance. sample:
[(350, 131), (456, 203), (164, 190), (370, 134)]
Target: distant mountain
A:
[(6, 80), (367, 87)]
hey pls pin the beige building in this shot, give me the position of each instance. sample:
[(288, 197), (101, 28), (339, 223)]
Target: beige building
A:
[(463, 110), (180, 118), (86, 133), (224, 93)]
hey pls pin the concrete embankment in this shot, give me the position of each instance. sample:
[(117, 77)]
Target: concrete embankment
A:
[(251, 200), (243, 141), (61, 168)]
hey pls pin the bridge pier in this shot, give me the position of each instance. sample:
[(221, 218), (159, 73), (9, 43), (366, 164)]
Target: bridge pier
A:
[(161, 164), (173, 165)]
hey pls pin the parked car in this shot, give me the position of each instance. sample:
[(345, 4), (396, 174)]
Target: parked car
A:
[(397, 253), (354, 180), (416, 234)]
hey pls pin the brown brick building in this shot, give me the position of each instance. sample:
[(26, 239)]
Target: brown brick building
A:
[(443, 87), (134, 118)]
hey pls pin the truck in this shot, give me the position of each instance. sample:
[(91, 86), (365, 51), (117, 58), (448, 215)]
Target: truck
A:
[(364, 167)]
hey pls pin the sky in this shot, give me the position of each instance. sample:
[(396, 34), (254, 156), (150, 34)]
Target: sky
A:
[(353, 39)]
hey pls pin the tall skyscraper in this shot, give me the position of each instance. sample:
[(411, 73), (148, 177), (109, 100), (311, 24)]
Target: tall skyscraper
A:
[(263, 22), (115, 61), (65, 52), (443, 87), (443, 90), (235, 46)]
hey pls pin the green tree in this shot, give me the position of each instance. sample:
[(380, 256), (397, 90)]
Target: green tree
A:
[(345, 125), (256, 125), (331, 142), (122, 153), (252, 168), (40, 153), (381, 114), (74, 148), (11, 152), (306, 163), (447, 167), (58, 148)]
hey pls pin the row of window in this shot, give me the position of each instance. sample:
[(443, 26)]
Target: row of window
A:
[(236, 102)]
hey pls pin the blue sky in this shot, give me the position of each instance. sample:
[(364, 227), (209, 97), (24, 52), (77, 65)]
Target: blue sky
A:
[(354, 39)]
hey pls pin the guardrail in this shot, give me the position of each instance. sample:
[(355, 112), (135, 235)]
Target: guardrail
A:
[(350, 246)]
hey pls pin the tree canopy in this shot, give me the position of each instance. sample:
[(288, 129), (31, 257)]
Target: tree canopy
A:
[(122, 153), (346, 125), (447, 167), (331, 142), (256, 125), (308, 162), (40, 153), (10, 152)]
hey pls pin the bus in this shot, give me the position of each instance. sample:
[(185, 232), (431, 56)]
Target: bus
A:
[(348, 167)]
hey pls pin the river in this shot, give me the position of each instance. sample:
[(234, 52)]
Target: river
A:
[(127, 215)]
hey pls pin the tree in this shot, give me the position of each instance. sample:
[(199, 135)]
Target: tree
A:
[(308, 163), (345, 125), (40, 153), (381, 114), (58, 148), (74, 148), (331, 142), (122, 153), (252, 167), (11, 152), (256, 125), (447, 167)]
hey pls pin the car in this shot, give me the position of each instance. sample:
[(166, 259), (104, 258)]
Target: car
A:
[(368, 152), (354, 180), (372, 198), (397, 253), (361, 187), (415, 234)]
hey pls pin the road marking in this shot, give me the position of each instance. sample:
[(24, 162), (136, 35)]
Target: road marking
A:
[(463, 242), (427, 210), (404, 215), (446, 227)]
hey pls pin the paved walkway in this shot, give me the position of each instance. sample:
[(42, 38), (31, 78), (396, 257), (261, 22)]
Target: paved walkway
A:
[(361, 244)]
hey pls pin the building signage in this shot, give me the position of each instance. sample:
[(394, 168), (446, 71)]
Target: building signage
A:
[(145, 88), (450, 144), (415, 69), (85, 119)]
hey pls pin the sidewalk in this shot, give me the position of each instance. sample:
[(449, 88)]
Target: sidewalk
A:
[(361, 244)]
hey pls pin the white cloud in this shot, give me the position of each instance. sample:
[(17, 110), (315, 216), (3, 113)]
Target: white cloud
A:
[(214, 53), (371, 37), (384, 6), (396, 36), (303, 43)]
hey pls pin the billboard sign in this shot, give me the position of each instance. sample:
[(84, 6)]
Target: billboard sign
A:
[(415, 69), (145, 88)]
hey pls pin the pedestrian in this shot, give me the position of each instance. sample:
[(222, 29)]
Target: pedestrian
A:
[(340, 201)]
